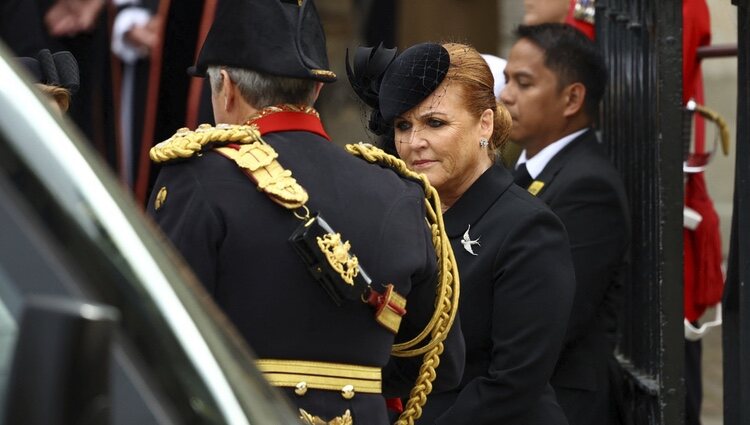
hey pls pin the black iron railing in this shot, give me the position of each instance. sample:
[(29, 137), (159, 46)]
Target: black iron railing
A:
[(736, 303), (642, 126)]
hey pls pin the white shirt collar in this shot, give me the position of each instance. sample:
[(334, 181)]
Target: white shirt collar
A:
[(536, 165)]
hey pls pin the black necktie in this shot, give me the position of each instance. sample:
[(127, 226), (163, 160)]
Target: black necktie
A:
[(521, 176)]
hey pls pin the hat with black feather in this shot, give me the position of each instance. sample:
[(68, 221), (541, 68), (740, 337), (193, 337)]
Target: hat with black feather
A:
[(365, 76), (392, 86), (276, 37), (411, 78), (58, 69)]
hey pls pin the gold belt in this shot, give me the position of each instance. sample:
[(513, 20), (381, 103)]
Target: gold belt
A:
[(302, 374)]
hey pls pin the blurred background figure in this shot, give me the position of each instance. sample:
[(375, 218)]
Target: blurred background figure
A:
[(545, 11), (81, 28), (154, 42), (508, 152), (702, 274), (67, 18), (56, 75), (497, 66), (581, 16), (578, 13), (136, 32)]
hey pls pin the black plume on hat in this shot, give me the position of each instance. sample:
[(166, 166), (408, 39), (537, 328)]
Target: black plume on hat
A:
[(367, 73), (55, 69), (276, 37), (370, 65), (411, 78)]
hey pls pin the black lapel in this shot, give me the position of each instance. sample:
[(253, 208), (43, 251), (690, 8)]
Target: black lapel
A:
[(543, 180), (477, 200)]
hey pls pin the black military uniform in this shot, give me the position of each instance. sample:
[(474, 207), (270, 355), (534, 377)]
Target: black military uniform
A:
[(327, 357)]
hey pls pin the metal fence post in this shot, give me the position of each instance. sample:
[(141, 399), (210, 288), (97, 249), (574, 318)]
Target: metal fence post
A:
[(736, 303), (642, 125)]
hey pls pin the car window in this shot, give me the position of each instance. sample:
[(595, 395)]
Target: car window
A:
[(172, 340)]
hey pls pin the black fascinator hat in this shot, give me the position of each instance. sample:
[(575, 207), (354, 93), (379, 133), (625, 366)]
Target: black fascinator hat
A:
[(276, 37), (58, 69), (393, 86), (365, 76), (411, 78)]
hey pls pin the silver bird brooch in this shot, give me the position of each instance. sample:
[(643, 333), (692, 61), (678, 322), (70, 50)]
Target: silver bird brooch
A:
[(468, 243)]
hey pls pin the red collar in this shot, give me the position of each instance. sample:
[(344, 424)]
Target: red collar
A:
[(288, 118)]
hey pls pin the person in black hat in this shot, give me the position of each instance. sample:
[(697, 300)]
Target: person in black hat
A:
[(512, 251), (56, 75), (260, 207), (77, 26)]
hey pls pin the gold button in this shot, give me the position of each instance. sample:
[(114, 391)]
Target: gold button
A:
[(300, 388), (161, 197), (347, 392)]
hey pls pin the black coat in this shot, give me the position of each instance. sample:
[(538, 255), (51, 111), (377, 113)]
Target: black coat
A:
[(235, 239), (585, 190), (516, 295)]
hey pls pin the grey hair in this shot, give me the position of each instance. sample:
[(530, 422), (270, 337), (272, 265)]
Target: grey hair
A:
[(262, 90)]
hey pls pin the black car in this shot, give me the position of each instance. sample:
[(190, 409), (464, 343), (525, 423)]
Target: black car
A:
[(100, 321)]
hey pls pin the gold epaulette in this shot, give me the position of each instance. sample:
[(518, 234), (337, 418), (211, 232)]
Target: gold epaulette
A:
[(186, 143), (258, 160)]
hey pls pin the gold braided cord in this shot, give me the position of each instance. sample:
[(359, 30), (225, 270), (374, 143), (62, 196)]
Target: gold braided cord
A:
[(422, 387), (446, 301), (448, 289), (185, 143)]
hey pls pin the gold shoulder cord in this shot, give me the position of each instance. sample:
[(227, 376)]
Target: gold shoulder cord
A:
[(446, 302), (186, 143), (254, 156)]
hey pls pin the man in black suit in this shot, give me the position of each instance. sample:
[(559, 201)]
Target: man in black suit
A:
[(243, 203), (555, 81)]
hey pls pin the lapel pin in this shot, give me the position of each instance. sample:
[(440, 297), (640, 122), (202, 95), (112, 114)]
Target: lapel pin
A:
[(535, 187), (468, 243)]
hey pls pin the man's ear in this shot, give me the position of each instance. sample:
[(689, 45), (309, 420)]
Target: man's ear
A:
[(575, 97), (227, 91), (318, 88)]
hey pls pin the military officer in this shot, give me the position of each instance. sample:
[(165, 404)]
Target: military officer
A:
[(321, 260)]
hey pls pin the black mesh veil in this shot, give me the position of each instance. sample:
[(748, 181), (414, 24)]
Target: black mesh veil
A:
[(393, 86), (411, 78)]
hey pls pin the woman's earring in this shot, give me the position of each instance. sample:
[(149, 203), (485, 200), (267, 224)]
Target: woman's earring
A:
[(483, 143)]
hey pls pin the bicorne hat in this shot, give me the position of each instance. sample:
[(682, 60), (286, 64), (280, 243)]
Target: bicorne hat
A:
[(58, 69), (276, 37)]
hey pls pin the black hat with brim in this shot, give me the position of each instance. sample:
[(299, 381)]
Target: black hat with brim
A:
[(274, 37), (411, 78), (58, 69)]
